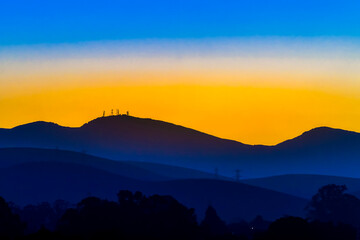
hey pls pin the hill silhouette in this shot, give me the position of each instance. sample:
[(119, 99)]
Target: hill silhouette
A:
[(302, 185), (320, 137), (147, 140), (35, 182), (136, 170)]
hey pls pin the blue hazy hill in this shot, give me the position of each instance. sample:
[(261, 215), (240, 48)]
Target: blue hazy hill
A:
[(136, 170), (35, 182), (322, 150), (303, 185)]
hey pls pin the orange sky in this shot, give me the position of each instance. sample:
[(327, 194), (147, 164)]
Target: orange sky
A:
[(262, 95)]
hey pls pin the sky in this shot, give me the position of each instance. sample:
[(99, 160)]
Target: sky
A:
[(259, 72)]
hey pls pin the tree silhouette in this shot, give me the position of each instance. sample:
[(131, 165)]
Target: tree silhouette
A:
[(10, 224), (332, 204), (133, 216), (92, 217), (41, 215), (212, 224), (136, 216)]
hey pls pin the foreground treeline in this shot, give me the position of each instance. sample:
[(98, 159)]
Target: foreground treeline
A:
[(332, 214)]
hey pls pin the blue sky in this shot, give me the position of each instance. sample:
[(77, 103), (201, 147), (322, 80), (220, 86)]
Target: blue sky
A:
[(48, 22)]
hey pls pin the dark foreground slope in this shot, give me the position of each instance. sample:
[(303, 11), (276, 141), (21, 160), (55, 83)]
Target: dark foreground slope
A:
[(302, 185), (48, 181), (320, 151)]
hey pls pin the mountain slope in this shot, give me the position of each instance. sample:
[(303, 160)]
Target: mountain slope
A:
[(136, 170), (233, 201), (15, 156), (35, 182), (147, 140), (302, 185), (176, 172), (48, 181)]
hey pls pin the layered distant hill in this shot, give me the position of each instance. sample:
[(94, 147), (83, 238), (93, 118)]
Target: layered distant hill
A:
[(137, 170), (322, 150), (302, 185), (37, 181)]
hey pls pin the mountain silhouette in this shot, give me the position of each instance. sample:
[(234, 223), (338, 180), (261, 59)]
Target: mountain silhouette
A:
[(35, 182), (322, 150)]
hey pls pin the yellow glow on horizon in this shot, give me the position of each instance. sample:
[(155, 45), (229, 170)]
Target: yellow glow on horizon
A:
[(252, 115), (256, 91)]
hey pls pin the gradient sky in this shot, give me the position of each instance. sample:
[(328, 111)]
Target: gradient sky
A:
[(255, 71)]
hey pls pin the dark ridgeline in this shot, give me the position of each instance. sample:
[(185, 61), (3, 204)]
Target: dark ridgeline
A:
[(129, 138), (136, 216)]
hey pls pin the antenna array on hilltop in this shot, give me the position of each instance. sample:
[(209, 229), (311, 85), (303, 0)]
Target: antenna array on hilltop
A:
[(117, 113)]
